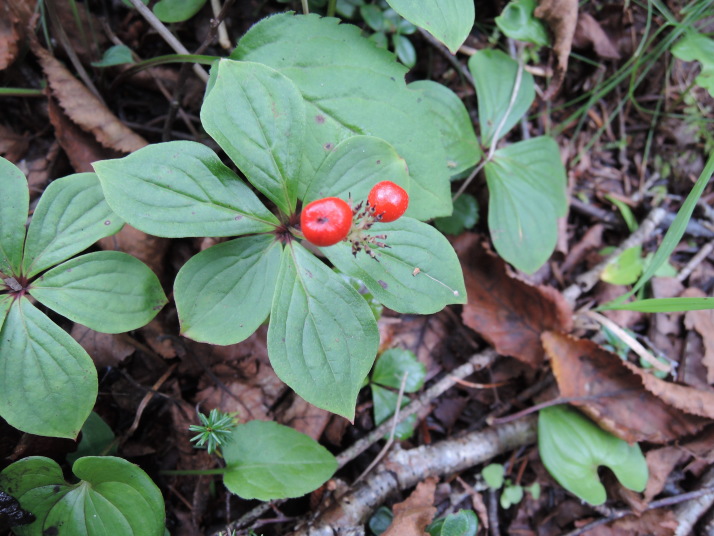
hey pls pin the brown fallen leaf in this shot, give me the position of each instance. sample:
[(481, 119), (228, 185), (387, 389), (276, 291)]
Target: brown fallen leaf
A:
[(14, 15), (703, 323), (507, 312), (660, 463), (302, 416), (12, 145), (562, 17), (105, 349), (81, 148), (412, 516), (665, 330), (658, 522), (591, 241), (84, 108), (589, 33), (612, 394), (147, 248)]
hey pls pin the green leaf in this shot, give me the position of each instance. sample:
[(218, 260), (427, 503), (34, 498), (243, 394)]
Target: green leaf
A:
[(374, 17), (450, 21), (572, 448), (462, 523), (116, 55), (698, 47), (384, 403), (393, 278), (625, 269), (511, 495), (177, 10), (404, 49), (97, 439), (380, 520), (49, 383), (266, 461), (180, 189), (465, 216), (493, 475), (354, 167), (71, 216), (224, 293), (663, 305), (455, 126), (112, 498), (392, 365), (13, 215), (322, 338), (518, 22), (527, 195), (352, 87), (257, 116), (107, 291), (375, 306), (495, 75)]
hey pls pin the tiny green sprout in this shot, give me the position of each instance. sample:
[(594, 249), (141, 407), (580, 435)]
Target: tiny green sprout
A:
[(214, 430)]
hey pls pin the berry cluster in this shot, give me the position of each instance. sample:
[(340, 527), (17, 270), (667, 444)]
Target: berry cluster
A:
[(327, 221)]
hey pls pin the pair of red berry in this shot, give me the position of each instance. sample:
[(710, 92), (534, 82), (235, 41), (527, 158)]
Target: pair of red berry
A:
[(327, 221)]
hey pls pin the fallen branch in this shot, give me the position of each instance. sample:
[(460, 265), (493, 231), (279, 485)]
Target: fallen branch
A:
[(405, 468)]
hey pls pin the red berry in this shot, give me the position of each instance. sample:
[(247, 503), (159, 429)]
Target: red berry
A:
[(326, 221), (390, 201)]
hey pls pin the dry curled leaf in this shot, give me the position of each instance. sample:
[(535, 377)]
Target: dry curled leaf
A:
[(562, 17), (84, 108), (412, 516), (612, 394), (589, 32), (703, 323), (507, 312)]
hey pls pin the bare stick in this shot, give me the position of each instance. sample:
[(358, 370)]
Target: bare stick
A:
[(405, 468), (164, 32), (586, 281)]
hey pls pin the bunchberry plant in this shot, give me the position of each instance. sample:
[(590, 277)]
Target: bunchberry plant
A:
[(325, 222), (49, 383), (292, 109), (388, 201)]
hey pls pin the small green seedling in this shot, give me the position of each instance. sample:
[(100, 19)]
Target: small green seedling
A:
[(494, 476), (572, 448), (110, 492), (49, 383), (214, 431), (461, 523)]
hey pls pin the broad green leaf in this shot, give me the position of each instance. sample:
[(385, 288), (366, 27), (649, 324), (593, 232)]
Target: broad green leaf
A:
[(49, 383), (418, 273), (5, 304), (493, 475), (266, 461), (354, 167), (375, 306), (518, 22), (374, 17), (224, 293), (384, 403), (71, 216), (112, 498), (465, 216), (495, 76), (13, 215), (177, 10), (572, 448), (462, 523), (625, 269), (107, 291), (391, 366), (257, 116), (404, 50), (527, 195), (698, 47), (663, 305), (116, 55), (179, 189), (450, 21), (97, 439), (457, 131), (352, 87), (322, 338), (511, 495), (380, 520)]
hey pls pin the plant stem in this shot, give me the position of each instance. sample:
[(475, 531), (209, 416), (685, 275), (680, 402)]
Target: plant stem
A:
[(188, 472), (305, 8), (20, 92), (331, 8)]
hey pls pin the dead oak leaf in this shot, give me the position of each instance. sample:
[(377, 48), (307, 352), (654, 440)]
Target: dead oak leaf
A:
[(412, 516), (509, 313), (84, 108), (612, 394), (562, 17)]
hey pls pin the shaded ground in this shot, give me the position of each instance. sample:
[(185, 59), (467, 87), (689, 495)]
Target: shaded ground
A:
[(641, 141)]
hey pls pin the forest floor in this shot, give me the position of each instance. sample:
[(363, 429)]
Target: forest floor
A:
[(634, 136)]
